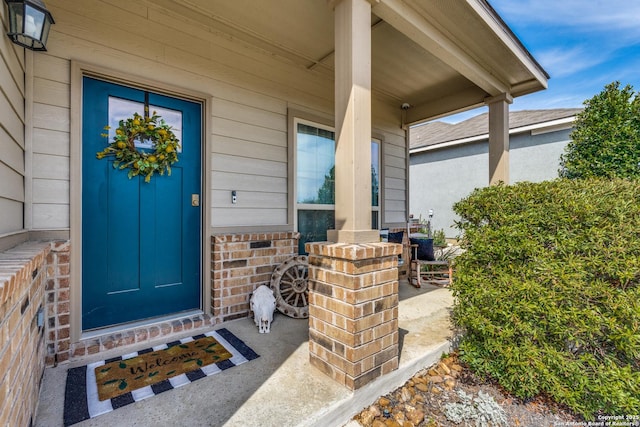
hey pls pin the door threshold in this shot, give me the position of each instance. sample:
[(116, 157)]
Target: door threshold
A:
[(95, 333)]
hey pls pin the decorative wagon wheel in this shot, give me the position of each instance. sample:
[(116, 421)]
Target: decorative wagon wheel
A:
[(289, 283)]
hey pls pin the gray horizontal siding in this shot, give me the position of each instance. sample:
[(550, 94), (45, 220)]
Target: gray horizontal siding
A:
[(12, 140), (251, 93)]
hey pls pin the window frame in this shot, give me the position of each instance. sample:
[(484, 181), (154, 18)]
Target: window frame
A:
[(327, 207)]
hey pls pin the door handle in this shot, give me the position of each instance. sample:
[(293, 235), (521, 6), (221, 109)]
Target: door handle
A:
[(195, 200)]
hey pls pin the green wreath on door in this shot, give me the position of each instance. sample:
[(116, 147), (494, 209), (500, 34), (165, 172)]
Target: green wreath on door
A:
[(137, 128)]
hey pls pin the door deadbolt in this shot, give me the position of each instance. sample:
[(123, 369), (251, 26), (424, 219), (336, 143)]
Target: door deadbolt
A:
[(195, 200)]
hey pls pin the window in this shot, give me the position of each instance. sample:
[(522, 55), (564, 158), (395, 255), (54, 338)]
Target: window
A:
[(122, 109), (315, 182)]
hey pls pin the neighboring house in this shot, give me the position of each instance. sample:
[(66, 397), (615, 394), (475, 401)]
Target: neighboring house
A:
[(262, 93), (448, 161)]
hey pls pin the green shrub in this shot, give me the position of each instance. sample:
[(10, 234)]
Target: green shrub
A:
[(605, 141), (439, 238), (548, 291)]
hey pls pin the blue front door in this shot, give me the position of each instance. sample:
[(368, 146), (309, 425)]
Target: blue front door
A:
[(140, 241)]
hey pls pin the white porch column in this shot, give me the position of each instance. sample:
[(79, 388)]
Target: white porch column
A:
[(353, 123), (499, 138)]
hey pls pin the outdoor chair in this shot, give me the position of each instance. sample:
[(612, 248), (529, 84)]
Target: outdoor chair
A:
[(425, 268)]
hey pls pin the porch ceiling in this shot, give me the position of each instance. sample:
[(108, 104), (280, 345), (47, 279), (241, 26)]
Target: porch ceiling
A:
[(440, 56)]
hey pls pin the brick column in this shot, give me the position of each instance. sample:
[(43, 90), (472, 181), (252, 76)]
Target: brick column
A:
[(353, 310)]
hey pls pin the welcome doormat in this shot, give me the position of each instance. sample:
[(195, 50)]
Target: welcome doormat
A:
[(122, 376), (153, 373)]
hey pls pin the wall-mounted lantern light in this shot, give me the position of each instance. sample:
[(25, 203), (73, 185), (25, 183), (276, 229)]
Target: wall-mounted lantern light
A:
[(29, 23)]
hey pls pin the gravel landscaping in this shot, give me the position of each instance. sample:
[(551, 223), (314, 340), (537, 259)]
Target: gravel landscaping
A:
[(449, 395)]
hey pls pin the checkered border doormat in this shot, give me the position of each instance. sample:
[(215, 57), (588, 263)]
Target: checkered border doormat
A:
[(81, 392)]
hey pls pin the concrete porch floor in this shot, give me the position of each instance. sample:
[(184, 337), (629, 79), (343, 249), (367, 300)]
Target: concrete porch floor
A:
[(280, 388)]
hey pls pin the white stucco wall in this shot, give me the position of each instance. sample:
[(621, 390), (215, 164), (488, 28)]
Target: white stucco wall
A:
[(441, 177), (536, 158)]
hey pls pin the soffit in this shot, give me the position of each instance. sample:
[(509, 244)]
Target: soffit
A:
[(442, 69)]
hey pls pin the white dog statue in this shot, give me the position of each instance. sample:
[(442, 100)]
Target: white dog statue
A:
[(263, 304)]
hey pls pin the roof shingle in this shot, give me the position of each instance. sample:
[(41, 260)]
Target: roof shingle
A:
[(438, 132)]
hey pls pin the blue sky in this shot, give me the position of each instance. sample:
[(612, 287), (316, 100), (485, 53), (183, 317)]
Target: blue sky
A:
[(582, 44)]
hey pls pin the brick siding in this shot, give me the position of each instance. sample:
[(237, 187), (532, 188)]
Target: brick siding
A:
[(23, 273), (58, 304), (242, 262)]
